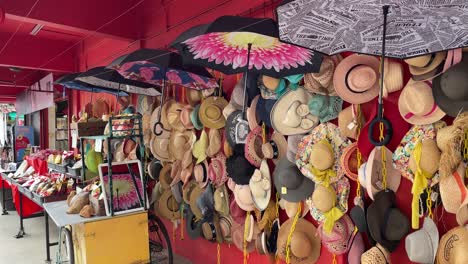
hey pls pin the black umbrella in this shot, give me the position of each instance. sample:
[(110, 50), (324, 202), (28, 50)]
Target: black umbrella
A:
[(69, 82), (108, 78)]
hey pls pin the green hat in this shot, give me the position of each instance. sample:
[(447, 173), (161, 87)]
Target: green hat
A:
[(325, 107), (197, 124)]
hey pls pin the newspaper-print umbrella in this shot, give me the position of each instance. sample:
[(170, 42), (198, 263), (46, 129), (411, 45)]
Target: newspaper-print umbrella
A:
[(158, 66), (108, 78), (414, 28), (68, 81)]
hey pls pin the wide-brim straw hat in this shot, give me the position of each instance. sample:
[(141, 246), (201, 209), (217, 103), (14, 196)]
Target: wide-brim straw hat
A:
[(187, 189), (173, 116), (426, 63), (322, 82), (165, 176), (356, 78), (393, 77), (168, 207), (290, 114), (211, 112), (452, 247), (304, 244), (374, 176), (243, 197), (193, 96), (421, 245), (453, 191), (290, 183), (417, 105), (348, 122), (349, 161), (181, 143), (159, 146), (276, 148), (376, 255), (253, 147), (260, 186)]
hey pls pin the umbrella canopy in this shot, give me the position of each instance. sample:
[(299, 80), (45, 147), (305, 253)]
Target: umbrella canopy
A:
[(414, 27), (224, 46), (157, 66), (68, 81), (108, 78)]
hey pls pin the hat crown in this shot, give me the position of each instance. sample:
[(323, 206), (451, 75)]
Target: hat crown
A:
[(300, 245), (290, 178), (362, 78), (321, 156), (418, 98), (325, 74), (420, 61), (324, 199), (430, 157), (453, 80), (213, 112)]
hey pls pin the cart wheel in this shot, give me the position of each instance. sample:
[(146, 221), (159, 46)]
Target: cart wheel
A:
[(66, 251), (160, 243)]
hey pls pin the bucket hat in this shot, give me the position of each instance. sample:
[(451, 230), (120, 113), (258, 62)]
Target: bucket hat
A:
[(290, 183), (260, 186), (211, 112), (421, 245), (452, 247)]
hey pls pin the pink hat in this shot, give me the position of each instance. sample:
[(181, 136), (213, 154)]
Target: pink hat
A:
[(374, 175), (244, 197), (356, 249), (217, 170), (253, 147), (337, 241), (200, 173), (236, 212), (185, 116)]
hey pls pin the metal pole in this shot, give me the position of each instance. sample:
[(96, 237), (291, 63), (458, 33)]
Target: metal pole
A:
[(46, 216), (246, 74), (4, 210), (382, 60)]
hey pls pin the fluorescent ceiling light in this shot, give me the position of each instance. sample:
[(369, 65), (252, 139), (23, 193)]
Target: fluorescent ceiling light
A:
[(36, 29)]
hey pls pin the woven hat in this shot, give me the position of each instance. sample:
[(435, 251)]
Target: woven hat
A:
[(154, 168), (267, 217), (252, 117), (426, 63), (328, 204), (349, 162), (374, 176), (211, 112), (168, 207), (260, 186), (181, 143), (290, 183), (253, 147), (197, 124), (200, 173), (214, 143), (165, 176), (393, 77), (452, 247), (212, 230), (243, 197), (290, 114), (276, 148), (159, 146), (325, 107), (348, 122), (225, 223), (193, 96), (356, 78), (293, 142), (221, 200), (417, 106), (376, 255), (331, 141), (430, 158), (193, 227), (337, 242), (304, 244), (185, 116), (173, 116), (322, 82), (238, 167), (453, 191), (200, 146), (462, 213), (387, 224), (356, 249), (421, 245), (194, 195), (217, 170)]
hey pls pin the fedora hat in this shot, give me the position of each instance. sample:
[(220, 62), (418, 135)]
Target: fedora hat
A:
[(193, 96), (253, 147), (193, 227), (214, 143), (325, 107), (197, 124), (387, 224), (193, 198), (356, 78), (452, 247), (453, 191), (290, 183), (349, 161), (226, 223), (185, 117), (217, 170), (417, 106), (211, 112), (304, 244), (421, 245), (374, 176), (426, 63), (173, 116), (348, 121), (322, 82), (376, 255), (168, 207), (293, 142), (200, 146), (165, 176), (181, 143), (243, 197), (263, 109), (212, 230), (238, 167), (319, 154), (252, 116), (221, 200), (337, 241), (290, 114), (276, 148), (260, 186), (393, 77), (449, 91), (200, 173)]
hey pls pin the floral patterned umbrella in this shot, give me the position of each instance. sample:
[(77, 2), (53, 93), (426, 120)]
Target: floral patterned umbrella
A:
[(158, 66), (226, 44)]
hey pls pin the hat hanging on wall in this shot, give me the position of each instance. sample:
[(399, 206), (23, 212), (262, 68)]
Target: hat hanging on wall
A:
[(322, 82), (452, 247), (276, 148), (290, 183), (421, 245)]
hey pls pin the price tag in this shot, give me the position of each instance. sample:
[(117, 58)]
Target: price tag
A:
[(74, 140), (98, 145), (351, 125), (284, 190), (221, 195)]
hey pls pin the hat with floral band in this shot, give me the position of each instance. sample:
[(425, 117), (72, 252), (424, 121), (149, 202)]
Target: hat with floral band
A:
[(253, 147), (322, 82), (260, 186), (325, 107), (217, 170), (290, 183), (417, 105), (337, 240), (374, 176), (276, 148), (291, 116), (318, 155), (211, 112)]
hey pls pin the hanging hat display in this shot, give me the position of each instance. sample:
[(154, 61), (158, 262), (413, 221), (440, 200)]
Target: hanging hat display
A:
[(322, 82), (290, 183), (276, 148), (260, 186)]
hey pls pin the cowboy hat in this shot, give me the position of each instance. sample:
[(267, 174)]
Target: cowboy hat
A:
[(376, 255), (217, 170), (290, 183), (337, 240), (181, 143), (421, 245), (304, 244), (243, 197), (211, 112), (290, 114), (356, 78), (238, 167), (452, 247), (168, 207), (260, 186), (221, 200), (276, 148), (199, 147), (348, 121), (417, 106), (374, 175), (253, 146), (322, 82)]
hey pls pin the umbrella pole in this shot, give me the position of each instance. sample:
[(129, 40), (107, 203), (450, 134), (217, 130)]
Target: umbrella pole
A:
[(382, 60), (249, 47)]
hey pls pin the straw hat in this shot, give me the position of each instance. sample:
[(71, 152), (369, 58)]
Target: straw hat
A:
[(323, 167), (155, 116), (221, 200), (276, 148), (200, 173), (211, 112), (175, 172), (335, 198), (323, 198), (430, 158), (187, 189), (177, 192), (337, 242), (374, 175), (226, 223), (393, 77), (252, 117), (421, 246), (186, 174), (243, 197), (462, 213), (425, 63), (356, 78), (348, 122), (304, 244), (452, 247), (168, 207), (193, 96), (266, 217), (260, 186), (452, 189), (197, 124), (238, 231), (165, 176), (253, 147), (290, 114), (229, 109), (181, 143), (194, 195), (376, 255), (349, 162), (292, 208), (217, 170), (212, 230), (200, 146), (322, 82), (173, 116), (185, 116), (214, 143), (290, 183), (417, 106)]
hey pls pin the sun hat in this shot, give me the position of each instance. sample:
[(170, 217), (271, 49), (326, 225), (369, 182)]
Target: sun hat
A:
[(264, 109), (330, 144), (186, 174), (349, 162), (393, 78), (200, 173), (292, 208), (187, 189), (453, 191), (462, 213), (173, 116), (163, 120), (217, 170), (177, 192), (322, 82), (193, 227), (195, 119), (425, 63), (337, 241), (238, 168), (230, 128), (387, 224), (238, 215), (252, 116), (266, 217), (293, 142), (417, 106), (214, 143), (221, 200), (260, 186), (304, 243), (193, 198), (421, 245), (253, 147), (154, 168), (185, 116), (276, 148), (238, 231), (225, 223), (159, 146), (290, 114), (374, 176), (356, 248), (165, 176), (193, 96), (243, 197), (348, 121), (175, 172), (356, 78), (211, 112), (181, 143), (168, 207), (229, 109), (376, 255), (325, 107), (212, 230), (290, 183), (205, 203), (200, 146), (452, 247)]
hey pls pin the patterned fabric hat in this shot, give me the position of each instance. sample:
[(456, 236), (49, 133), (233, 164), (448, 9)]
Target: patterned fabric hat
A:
[(337, 241)]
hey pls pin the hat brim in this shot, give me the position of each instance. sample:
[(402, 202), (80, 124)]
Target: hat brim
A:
[(194, 228), (345, 161), (433, 117), (164, 206), (447, 105), (372, 172), (219, 102), (304, 190), (282, 145), (438, 59)]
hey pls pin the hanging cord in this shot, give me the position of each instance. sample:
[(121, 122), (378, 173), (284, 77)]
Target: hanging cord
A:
[(264, 137), (219, 253), (359, 155), (334, 261), (246, 231), (465, 150), (291, 232), (429, 203), (182, 222), (384, 158)]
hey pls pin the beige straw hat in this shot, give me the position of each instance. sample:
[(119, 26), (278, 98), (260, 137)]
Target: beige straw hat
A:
[(462, 213), (430, 158), (322, 82), (211, 112), (181, 143), (173, 116), (376, 255), (214, 143), (393, 77), (426, 63), (193, 96), (452, 189), (348, 122), (453, 247)]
